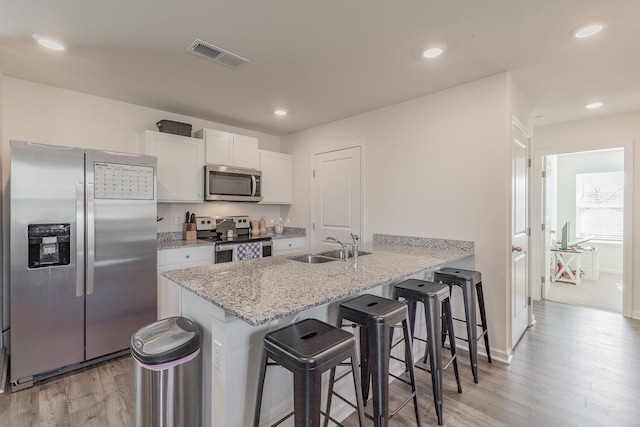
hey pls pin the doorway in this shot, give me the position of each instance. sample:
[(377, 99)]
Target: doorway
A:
[(586, 217), (337, 209)]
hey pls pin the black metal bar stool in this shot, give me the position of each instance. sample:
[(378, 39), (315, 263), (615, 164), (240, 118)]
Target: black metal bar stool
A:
[(376, 317), (433, 296), (467, 279), (307, 349)]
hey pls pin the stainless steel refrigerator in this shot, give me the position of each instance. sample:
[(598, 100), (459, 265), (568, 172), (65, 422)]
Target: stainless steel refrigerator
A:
[(83, 256)]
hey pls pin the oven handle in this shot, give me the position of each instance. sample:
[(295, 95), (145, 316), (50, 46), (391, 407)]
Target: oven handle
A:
[(220, 248), (229, 247)]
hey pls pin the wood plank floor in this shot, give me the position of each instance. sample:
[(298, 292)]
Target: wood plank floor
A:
[(575, 367)]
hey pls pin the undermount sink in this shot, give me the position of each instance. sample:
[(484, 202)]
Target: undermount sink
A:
[(326, 256), (339, 254), (312, 259)]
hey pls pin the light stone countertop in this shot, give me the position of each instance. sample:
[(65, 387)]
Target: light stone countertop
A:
[(177, 244), (174, 241), (260, 290)]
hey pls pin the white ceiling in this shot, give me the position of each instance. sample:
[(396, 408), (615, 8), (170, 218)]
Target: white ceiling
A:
[(324, 60)]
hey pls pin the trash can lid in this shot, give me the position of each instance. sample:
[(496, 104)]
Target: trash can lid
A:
[(165, 340)]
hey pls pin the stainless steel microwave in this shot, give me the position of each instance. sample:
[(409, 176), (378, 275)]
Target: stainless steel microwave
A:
[(231, 184)]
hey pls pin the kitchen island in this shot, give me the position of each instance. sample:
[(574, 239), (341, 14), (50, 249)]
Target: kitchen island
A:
[(236, 304)]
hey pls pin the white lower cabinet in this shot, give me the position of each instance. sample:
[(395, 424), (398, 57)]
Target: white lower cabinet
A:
[(171, 259), (288, 246)]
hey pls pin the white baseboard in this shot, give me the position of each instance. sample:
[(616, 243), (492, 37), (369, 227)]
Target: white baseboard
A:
[(497, 355), (610, 271)]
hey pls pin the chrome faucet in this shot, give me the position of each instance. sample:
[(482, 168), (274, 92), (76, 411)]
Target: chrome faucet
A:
[(354, 247), (344, 247)]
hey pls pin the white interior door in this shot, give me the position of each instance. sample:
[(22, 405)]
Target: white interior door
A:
[(337, 200), (520, 233)]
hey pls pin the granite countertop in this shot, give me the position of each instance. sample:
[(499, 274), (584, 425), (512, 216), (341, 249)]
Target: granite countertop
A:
[(260, 290), (174, 240), (177, 244), (286, 235)]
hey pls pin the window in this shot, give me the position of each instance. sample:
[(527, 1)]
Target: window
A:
[(599, 205)]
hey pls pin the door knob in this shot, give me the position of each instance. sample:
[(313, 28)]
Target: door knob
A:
[(516, 249)]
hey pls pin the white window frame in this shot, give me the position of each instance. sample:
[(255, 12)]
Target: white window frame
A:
[(600, 201)]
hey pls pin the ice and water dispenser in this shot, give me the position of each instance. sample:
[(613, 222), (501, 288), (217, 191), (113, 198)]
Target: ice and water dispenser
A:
[(49, 245)]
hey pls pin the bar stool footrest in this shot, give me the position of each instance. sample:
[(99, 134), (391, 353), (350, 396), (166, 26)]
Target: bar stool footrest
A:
[(479, 325), (339, 396), (402, 405)]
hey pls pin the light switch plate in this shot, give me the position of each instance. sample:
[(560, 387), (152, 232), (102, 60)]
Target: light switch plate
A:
[(217, 355)]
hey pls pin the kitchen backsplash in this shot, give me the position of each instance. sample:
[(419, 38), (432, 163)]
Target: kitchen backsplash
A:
[(392, 239), (172, 212), (287, 232)]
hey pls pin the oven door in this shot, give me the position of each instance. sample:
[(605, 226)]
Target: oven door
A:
[(266, 248), (224, 252)]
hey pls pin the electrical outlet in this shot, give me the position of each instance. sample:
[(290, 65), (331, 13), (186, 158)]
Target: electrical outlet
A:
[(177, 219), (217, 355)]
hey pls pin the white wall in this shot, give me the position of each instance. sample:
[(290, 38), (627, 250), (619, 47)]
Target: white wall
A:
[(4, 293), (49, 115), (594, 134), (435, 166)]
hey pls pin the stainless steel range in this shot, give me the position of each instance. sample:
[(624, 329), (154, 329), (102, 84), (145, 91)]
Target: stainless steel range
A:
[(232, 235)]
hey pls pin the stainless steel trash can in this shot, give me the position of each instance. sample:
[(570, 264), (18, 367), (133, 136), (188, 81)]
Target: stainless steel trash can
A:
[(168, 379)]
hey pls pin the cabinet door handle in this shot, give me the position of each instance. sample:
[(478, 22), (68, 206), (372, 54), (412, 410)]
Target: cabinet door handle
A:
[(516, 249), (187, 256)]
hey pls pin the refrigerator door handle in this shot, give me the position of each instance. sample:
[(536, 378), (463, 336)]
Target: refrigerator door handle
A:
[(80, 239), (91, 234)]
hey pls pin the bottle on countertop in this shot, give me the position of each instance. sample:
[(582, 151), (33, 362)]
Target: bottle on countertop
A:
[(255, 228)]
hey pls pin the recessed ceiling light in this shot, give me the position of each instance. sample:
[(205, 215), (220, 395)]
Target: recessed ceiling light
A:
[(593, 105), (280, 112), (433, 52), (48, 43), (588, 31)]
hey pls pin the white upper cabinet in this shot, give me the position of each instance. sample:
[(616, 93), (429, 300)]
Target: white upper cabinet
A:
[(245, 152), (218, 146), (225, 148), (277, 178), (180, 173)]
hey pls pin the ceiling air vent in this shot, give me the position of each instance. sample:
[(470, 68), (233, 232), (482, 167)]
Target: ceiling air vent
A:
[(215, 54)]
